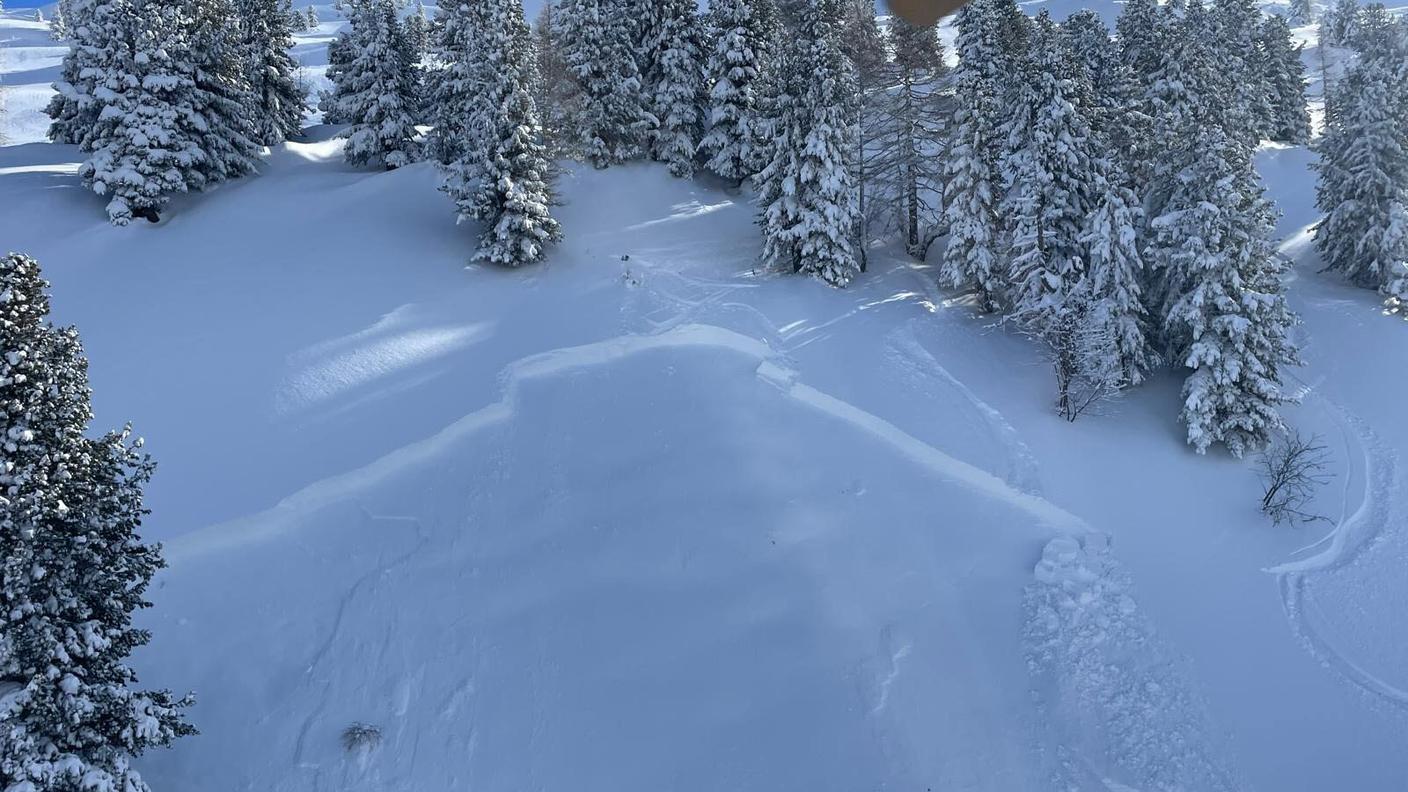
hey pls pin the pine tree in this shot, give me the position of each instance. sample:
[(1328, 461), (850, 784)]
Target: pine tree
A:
[(501, 177), (674, 87), (146, 133), (1285, 79), (1048, 175), (1143, 35), (1338, 24), (458, 36), (1114, 108), (607, 109), (1363, 187), (417, 27), (1226, 318), (376, 90), (58, 25), (1114, 273), (1300, 12), (733, 69), (972, 182), (278, 99), (340, 52), (913, 117), (1237, 31), (217, 63), (806, 193), (73, 110), (72, 567)]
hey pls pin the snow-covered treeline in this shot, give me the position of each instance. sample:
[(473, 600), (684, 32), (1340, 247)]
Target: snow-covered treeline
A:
[(1094, 188)]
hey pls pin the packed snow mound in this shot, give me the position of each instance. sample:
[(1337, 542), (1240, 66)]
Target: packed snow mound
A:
[(1123, 711)]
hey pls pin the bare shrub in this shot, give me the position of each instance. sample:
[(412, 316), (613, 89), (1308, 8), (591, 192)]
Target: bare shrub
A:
[(360, 737), (1291, 471)]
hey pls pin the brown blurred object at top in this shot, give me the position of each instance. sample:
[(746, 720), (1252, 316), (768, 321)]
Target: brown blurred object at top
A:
[(923, 13)]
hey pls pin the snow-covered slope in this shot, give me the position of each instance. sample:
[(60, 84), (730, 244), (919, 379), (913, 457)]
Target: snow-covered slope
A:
[(643, 517)]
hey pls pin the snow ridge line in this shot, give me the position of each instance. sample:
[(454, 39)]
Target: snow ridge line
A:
[(1350, 535), (286, 514)]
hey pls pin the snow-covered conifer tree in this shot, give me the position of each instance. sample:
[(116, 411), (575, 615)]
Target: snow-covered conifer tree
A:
[(340, 51), (145, 141), (72, 109), (1237, 32), (278, 99), (733, 70), (310, 18), (500, 178), (1113, 277), (218, 65), (1338, 23), (1285, 79), (58, 25), (607, 111), (418, 29), (806, 195), (1226, 317), (376, 90), (972, 182), (1300, 12), (1049, 176), (674, 85), (1363, 167), (72, 567), (455, 87)]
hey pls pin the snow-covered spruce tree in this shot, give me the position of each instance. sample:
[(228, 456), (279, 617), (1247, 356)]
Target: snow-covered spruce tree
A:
[(217, 62), (972, 182), (376, 90), (911, 139), (607, 111), (1300, 12), (733, 70), (278, 99), (1226, 316), (1143, 32), (58, 25), (72, 567), (147, 135), (340, 51), (455, 87), (1186, 92), (1363, 187), (1115, 112), (1049, 178), (501, 177), (673, 73), (310, 19), (417, 28), (1237, 32), (806, 194), (1114, 274), (71, 109), (1285, 80), (1338, 23)]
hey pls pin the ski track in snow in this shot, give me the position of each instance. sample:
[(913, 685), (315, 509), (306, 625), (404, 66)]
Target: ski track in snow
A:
[(287, 514), (1352, 534)]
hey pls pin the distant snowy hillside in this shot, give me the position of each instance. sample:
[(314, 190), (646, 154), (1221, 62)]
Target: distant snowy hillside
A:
[(644, 517)]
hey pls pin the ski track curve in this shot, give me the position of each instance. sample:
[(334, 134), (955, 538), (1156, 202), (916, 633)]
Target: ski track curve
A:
[(286, 515), (1351, 535)]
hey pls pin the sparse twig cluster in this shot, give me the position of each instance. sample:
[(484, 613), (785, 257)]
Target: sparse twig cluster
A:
[(1292, 469)]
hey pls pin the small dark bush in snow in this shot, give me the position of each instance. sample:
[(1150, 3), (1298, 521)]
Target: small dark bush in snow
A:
[(360, 737), (1292, 469)]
